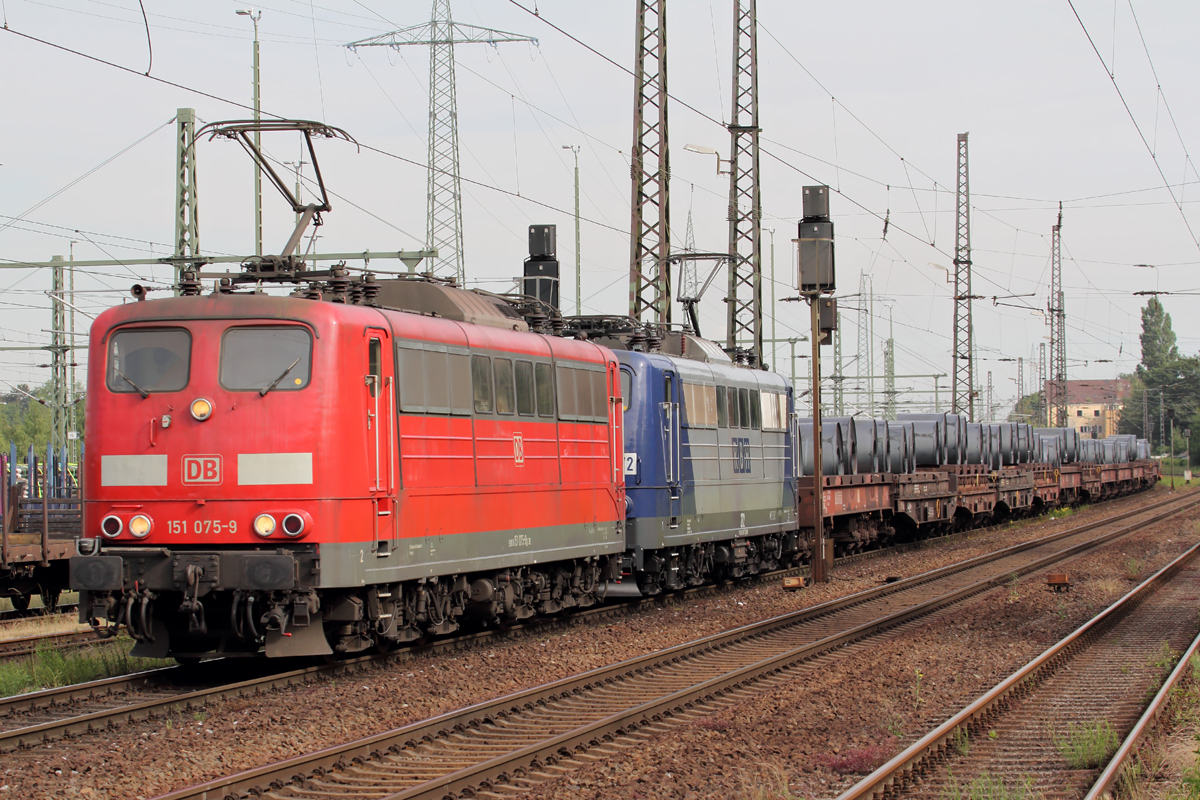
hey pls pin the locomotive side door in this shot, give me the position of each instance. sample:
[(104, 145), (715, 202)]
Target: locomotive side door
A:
[(671, 447), (379, 386)]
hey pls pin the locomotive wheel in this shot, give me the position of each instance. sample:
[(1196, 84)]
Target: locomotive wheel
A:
[(20, 602)]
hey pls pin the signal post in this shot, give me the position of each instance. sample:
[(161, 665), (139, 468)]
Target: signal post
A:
[(816, 279)]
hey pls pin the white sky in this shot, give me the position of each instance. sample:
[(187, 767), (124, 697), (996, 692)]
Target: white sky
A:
[(1045, 122)]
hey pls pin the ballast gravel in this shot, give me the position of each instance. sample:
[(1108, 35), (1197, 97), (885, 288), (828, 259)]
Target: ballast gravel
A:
[(811, 738)]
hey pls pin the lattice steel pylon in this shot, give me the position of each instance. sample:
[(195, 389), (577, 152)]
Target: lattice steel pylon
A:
[(1020, 378), (1058, 331), (744, 299), (889, 373), (443, 223), (838, 377), (59, 350), (962, 392), (187, 222), (1043, 388), (650, 230)]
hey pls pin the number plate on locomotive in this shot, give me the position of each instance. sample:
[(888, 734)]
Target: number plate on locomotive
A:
[(201, 527)]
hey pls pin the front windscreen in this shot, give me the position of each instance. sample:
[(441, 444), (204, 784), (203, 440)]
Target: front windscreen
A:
[(144, 360), (261, 358)]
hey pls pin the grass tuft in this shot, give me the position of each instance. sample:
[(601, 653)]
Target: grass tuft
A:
[(1087, 745), (49, 668), (991, 787)]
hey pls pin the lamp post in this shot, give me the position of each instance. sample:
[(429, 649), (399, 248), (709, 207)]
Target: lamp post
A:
[(574, 148), (255, 14)]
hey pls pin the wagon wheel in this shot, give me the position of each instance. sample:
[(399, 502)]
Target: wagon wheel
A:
[(20, 602), (50, 597)]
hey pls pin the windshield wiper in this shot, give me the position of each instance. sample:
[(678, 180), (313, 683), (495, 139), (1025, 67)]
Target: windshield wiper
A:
[(140, 390), (263, 391)]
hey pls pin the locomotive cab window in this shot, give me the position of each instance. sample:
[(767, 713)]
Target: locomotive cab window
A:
[(743, 396), (275, 359), (722, 408), (626, 389), (143, 360)]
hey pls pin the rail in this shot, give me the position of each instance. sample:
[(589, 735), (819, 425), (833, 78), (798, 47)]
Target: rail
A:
[(902, 769), (1107, 781), (549, 724)]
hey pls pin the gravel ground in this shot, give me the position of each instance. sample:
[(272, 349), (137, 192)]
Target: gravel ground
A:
[(808, 735)]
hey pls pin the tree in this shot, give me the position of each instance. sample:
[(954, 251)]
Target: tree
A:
[(1026, 410), (1165, 386), (1158, 340)]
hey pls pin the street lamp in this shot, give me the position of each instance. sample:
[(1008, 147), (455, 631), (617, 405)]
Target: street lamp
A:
[(574, 148), (255, 14), (708, 151)]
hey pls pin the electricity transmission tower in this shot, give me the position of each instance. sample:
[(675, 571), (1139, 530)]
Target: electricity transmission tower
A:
[(889, 373), (963, 389), (649, 241), (443, 223), (1043, 388), (744, 300), (1020, 378), (187, 221), (866, 345), (839, 377), (1058, 331)]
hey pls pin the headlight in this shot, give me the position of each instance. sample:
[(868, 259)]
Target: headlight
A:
[(293, 524), (202, 409), (264, 525), (140, 526), (111, 526)]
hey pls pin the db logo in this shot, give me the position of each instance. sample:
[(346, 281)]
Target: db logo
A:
[(201, 469), (519, 449)]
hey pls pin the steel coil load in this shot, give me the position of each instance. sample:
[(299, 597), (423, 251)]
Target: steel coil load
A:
[(849, 450), (866, 434), (833, 459), (956, 438), (929, 438), (883, 445), (974, 453)]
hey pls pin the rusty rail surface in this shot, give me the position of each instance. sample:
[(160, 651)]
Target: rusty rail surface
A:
[(547, 725), (1106, 784), (904, 770), (73, 710)]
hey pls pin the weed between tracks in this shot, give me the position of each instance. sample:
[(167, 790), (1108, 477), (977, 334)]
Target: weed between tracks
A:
[(991, 787), (49, 668), (1087, 745)]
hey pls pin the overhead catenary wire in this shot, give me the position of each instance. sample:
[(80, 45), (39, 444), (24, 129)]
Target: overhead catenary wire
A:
[(1133, 119)]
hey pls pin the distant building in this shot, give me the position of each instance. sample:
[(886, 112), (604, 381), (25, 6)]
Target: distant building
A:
[(1094, 406)]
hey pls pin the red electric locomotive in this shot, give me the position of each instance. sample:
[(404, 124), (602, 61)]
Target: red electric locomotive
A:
[(304, 477)]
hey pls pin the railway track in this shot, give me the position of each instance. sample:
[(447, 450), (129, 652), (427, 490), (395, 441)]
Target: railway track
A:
[(1023, 734), (514, 742), (12, 615), (28, 645), (26, 720)]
